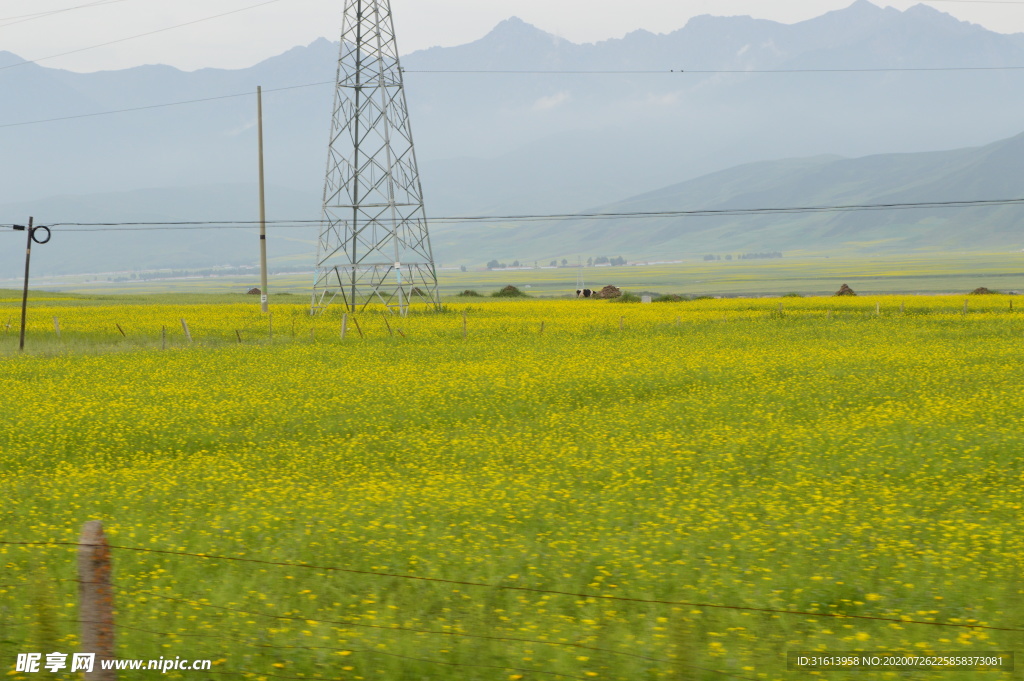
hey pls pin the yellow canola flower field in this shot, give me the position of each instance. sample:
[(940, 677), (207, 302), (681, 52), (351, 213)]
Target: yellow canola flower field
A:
[(827, 457)]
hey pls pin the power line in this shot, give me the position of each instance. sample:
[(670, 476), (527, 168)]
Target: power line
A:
[(140, 35), (41, 15), (489, 72), (534, 72), (168, 104), (86, 227)]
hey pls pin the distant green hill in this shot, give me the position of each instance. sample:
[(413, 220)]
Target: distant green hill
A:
[(982, 173)]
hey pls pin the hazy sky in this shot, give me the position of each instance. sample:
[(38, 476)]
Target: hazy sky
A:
[(244, 38)]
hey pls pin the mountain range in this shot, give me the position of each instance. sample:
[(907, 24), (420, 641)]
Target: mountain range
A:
[(706, 127)]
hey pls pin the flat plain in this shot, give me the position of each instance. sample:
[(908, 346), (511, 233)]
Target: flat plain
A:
[(618, 491)]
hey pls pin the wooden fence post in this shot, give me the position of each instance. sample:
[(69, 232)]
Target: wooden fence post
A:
[(344, 325), (464, 330), (542, 328), (123, 334), (270, 324), (878, 308), (965, 306), (96, 599), (56, 327), (622, 323), (184, 326), (239, 334), (163, 337)]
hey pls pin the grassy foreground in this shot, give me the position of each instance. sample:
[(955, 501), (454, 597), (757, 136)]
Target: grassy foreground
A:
[(819, 458)]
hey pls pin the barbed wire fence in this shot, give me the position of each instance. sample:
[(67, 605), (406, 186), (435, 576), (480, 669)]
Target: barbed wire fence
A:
[(96, 590)]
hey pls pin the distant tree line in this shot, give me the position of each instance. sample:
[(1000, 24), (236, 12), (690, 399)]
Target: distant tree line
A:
[(746, 256)]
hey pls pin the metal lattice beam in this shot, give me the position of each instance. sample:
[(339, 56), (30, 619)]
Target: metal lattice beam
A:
[(374, 244)]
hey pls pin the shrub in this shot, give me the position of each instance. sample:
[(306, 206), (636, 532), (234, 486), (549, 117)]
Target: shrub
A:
[(669, 298), (509, 292), (468, 294)]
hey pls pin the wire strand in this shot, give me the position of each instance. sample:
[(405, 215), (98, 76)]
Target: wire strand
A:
[(11, 21), (140, 35), (165, 105), (76, 227), (438, 580)]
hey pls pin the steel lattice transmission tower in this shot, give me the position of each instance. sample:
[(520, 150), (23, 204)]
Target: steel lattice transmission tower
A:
[(374, 245)]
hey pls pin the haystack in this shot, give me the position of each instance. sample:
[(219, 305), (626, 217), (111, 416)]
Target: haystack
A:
[(845, 290), (609, 292)]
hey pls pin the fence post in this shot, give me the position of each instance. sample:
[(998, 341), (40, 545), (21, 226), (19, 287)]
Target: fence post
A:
[(464, 331), (622, 323), (965, 306), (96, 599), (56, 327), (878, 308), (542, 328), (184, 326), (123, 334), (270, 324), (163, 337), (344, 325)]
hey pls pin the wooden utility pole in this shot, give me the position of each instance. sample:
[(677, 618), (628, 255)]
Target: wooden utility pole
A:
[(264, 305), (96, 599)]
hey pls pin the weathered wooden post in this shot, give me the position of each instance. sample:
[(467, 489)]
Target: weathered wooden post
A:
[(163, 337), (464, 330), (542, 328), (344, 325), (184, 326), (622, 323), (96, 599)]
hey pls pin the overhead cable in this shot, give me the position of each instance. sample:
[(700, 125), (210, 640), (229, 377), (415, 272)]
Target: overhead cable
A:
[(140, 35), (75, 227)]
